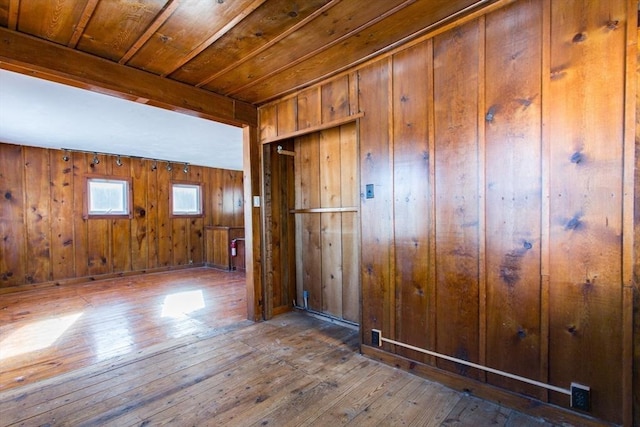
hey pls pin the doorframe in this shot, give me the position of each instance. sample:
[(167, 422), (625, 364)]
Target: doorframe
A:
[(257, 275)]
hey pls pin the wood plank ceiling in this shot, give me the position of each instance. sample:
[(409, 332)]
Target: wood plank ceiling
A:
[(249, 50)]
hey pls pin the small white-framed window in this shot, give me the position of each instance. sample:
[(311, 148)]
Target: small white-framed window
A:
[(186, 199), (108, 197)]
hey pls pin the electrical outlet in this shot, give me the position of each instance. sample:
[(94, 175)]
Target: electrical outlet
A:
[(369, 191), (375, 337), (580, 397)]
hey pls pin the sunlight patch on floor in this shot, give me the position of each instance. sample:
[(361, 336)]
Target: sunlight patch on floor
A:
[(182, 303), (36, 336)]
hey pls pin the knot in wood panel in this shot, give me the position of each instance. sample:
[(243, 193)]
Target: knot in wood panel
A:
[(579, 38), (577, 157)]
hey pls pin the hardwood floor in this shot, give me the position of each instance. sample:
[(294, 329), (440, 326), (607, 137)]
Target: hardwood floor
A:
[(47, 331), (207, 366)]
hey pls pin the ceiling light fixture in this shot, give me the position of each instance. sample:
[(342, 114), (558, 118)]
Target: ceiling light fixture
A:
[(96, 160), (186, 168), (154, 165), (65, 156), (169, 167), (118, 161)]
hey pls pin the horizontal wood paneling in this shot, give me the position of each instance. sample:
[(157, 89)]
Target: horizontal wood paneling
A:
[(45, 238), (525, 101)]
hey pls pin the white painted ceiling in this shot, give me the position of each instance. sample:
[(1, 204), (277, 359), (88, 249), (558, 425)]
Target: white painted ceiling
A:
[(41, 113)]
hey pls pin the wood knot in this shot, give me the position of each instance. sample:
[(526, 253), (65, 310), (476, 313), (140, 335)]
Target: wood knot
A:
[(577, 157), (490, 114), (613, 25), (572, 330), (7, 195), (574, 223), (579, 38)]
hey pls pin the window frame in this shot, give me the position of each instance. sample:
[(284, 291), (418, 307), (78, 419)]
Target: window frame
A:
[(128, 197), (201, 191)]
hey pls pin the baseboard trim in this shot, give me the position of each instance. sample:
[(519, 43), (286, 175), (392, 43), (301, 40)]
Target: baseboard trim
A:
[(528, 405), (85, 279)]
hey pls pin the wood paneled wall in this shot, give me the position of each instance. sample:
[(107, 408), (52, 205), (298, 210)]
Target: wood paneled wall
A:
[(497, 151), (46, 239), (279, 238), (326, 167)]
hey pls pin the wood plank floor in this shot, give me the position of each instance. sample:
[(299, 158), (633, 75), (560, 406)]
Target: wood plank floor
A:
[(193, 369), (99, 320)]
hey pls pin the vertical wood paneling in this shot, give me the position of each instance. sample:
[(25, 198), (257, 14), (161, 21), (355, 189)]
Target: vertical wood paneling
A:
[(286, 219), (327, 266), (216, 194), (196, 225), (636, 250), (13, 244), (354, 107), (121, 244), (276, 229), (290, 233), (375, 213), (586, 201), (335, 99), (238, 200), (331, 223), (268, 231), (165, 244), (513, 192), (268, 121), (152, 213), (179, 226), (309, 108), (287, 116), (140, 225), (308, 180), (630, 336), (228, 181), (61, 244), (431, 276), (62, 188), (456, 177), (504, 245), (411, 196), (350, 198), (98, 230), (298, 222), (38, 218), (545, 203), (80, 226)]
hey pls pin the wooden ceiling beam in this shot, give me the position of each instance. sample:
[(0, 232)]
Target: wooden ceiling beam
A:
[(51, 61), (87, 13)]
